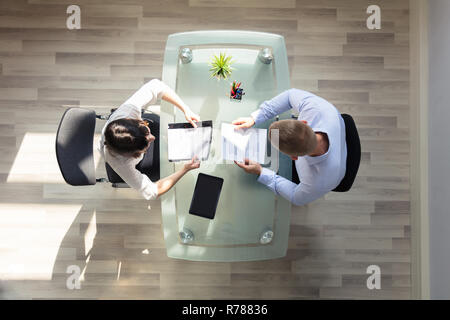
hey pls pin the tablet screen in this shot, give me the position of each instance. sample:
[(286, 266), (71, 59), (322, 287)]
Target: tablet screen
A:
[(206, 196)]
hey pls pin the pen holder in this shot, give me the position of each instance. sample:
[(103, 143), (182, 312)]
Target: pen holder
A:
[(236, 92), (238, 95)]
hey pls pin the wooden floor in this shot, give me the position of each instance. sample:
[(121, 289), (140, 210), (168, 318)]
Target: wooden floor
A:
[(114, 236)]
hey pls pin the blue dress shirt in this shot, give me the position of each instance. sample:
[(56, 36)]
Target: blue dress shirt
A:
[(318, 175)]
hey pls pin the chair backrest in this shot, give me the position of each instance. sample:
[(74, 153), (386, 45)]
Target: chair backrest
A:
[(353, 154), (150, 164), (74, 146)]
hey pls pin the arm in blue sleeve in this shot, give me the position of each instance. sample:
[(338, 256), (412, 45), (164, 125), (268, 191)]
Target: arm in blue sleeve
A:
[(297, 194), (292, 98), (270, 108)]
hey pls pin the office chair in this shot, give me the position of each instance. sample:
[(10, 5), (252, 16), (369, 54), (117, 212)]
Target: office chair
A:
[(74, 149), (353, 156)]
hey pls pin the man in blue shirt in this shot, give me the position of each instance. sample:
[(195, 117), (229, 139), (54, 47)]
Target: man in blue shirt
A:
[(316, 141)]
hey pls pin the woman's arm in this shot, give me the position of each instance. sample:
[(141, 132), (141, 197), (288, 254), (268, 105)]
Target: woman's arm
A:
[(148, 189), (165, 184), (154, 90), (170, 96), (148, 93)]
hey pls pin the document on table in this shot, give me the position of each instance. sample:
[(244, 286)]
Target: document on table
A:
[(184, 142), (244, 143)]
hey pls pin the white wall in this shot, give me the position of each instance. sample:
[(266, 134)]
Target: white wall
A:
[(439, 148)]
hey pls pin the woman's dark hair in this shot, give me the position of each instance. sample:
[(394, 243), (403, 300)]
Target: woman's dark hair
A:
[(128, 137)]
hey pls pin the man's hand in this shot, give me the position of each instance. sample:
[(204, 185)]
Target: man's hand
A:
[(243, 123), (191, 117), (193, 164), (250, 166)]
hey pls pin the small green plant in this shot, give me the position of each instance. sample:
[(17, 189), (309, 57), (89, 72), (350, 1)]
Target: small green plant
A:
[(221, 66)]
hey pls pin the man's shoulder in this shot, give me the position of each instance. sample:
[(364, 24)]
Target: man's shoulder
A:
[(322, 170)]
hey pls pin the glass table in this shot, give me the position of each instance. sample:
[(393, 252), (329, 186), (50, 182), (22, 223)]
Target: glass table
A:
[(251, 223)]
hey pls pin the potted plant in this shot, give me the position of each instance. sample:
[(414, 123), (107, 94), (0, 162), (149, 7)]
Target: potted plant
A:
[(221, 66)]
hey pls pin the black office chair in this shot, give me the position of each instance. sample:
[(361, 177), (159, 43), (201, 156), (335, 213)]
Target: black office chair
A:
[(74, 149), (353, 156)]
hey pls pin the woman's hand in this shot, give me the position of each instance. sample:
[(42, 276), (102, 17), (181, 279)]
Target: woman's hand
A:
[(171, 97), (191, 117), (193, 164), (165, 184)]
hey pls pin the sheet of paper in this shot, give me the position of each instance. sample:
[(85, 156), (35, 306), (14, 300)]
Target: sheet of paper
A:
[(245, 143), (184, 144)]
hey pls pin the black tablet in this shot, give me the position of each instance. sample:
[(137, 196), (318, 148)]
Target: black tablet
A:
[(206, 196)]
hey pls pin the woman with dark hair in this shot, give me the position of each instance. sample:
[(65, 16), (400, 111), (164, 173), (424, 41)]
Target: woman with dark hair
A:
[(126, 138)]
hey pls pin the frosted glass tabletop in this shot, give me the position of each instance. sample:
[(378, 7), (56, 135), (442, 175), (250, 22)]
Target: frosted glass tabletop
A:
[(246, 208)]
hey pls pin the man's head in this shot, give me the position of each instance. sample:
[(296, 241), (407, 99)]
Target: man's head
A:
[(296, 138), (128, 137)]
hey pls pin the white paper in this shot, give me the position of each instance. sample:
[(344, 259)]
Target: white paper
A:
[(184, 144), (244, 143)]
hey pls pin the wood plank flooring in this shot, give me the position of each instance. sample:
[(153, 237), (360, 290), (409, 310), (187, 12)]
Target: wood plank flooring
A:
[(114, 236)]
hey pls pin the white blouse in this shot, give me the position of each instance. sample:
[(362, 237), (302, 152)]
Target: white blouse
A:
[(125, 167)]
